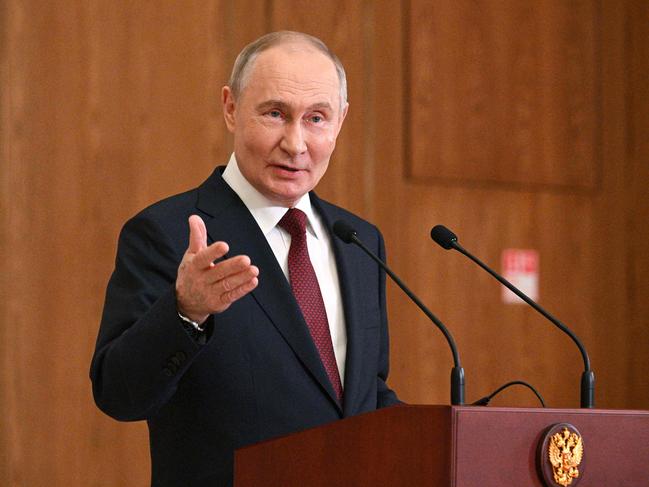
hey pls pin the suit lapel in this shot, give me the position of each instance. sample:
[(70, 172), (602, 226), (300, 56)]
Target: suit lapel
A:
[(349, 271), (231, 222)]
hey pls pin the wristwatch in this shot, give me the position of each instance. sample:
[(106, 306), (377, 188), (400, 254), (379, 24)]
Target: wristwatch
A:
[(192, 323)]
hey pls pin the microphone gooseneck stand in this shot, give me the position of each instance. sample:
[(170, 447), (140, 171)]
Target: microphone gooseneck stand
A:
[(448, 240), (348, 235)]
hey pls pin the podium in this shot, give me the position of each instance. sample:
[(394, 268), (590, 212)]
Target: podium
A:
[(439, 446)]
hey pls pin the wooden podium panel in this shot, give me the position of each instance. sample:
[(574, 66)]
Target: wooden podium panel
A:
[(397, 446), (493, 446), (437, 446)]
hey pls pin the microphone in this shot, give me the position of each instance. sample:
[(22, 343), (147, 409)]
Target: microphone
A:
[(448, 240), (348, 235)]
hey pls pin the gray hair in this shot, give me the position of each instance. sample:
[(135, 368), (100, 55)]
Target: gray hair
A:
[(247, 56)]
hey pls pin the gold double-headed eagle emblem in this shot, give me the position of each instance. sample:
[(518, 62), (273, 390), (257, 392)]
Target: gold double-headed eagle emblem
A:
[(565, 452)]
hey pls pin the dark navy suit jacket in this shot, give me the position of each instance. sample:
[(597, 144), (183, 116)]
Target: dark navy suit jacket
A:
[(259, 374)]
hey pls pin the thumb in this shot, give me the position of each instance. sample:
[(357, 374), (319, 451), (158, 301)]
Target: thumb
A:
[(197, 234)]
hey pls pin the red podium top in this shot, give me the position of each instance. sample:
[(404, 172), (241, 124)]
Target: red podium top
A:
[(438, 446)]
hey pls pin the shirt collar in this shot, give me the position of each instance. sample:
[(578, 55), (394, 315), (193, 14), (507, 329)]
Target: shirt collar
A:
[(266, 213)]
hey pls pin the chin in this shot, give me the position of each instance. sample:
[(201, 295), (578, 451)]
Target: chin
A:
[(288, 190), (287, 198)]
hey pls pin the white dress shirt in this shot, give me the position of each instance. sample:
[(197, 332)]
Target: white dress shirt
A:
[(267, 215)]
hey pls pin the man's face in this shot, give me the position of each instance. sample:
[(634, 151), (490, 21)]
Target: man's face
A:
[(285, 121)]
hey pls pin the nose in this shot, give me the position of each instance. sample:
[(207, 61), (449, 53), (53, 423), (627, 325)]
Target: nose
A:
[(293, 141)]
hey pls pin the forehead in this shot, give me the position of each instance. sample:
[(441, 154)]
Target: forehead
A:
[(288, 71)]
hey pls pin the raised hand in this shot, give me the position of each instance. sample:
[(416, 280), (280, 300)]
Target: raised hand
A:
[(203, 287)]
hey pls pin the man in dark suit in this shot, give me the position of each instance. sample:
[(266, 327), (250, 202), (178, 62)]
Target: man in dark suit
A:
[(256, 322)]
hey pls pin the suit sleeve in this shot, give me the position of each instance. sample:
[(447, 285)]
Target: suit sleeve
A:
[(385, 396), (142, 350)]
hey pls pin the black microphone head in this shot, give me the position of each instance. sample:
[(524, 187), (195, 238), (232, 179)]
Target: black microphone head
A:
[(443, 236), (344, 231)]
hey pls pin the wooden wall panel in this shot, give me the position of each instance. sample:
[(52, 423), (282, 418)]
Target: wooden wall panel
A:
[(108, 106), (503, 91), (637, 179), (7, 431), (608, 284), (581, 281)]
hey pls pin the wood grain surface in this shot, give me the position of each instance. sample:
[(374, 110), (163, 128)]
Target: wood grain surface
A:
[(516, 124)]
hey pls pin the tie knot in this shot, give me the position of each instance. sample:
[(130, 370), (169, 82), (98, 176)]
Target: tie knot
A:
[(294, 222)]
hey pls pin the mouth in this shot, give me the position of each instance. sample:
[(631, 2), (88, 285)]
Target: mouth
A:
[(286, 167)]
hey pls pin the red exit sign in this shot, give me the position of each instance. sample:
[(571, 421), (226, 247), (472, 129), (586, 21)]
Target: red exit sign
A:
[(521, 268)]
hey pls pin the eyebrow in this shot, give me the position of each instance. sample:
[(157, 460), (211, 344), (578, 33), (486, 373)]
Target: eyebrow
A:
[(286, 107)]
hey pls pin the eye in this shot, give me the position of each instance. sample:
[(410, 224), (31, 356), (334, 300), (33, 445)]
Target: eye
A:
[(274, 114), (316, 118)]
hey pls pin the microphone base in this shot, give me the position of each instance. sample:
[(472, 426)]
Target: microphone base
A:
[(588, 389), (457, 386)]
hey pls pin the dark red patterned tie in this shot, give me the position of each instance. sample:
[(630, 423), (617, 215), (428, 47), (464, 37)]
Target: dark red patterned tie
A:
[(307, 293)]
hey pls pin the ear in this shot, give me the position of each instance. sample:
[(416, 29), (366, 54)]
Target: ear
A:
[(229, 107)]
